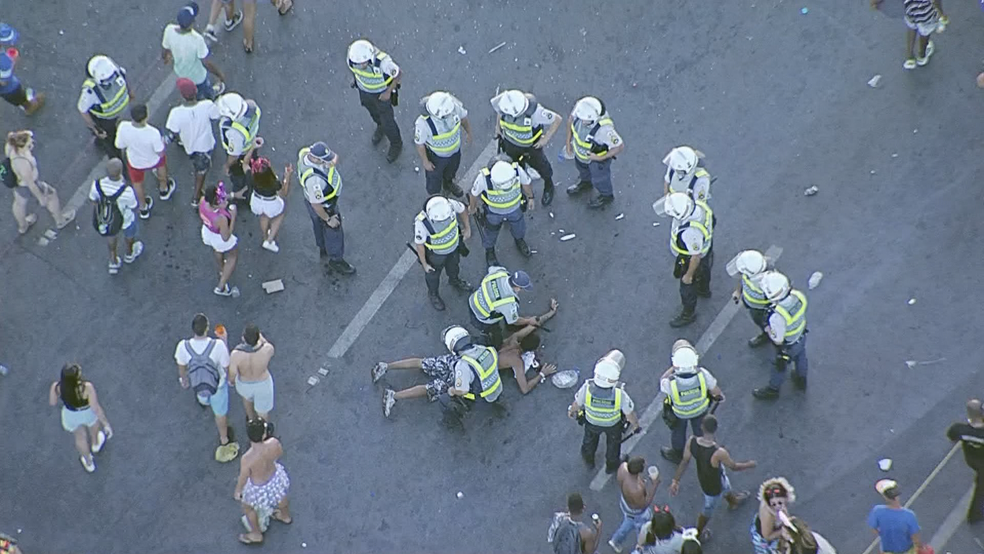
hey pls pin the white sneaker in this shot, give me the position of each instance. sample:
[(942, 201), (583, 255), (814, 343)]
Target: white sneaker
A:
[(137, 250), (89, 467), (615, 547), (100, 442), (271, 246), (114, 267), (930, 48), (389, 399), (378, 371), (210, 34)]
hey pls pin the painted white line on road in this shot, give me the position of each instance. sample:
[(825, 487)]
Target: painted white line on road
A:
[(655, 408), (396, 274), (957, 516)]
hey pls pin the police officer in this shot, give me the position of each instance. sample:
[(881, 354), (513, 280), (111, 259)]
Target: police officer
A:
[(684, 174), (239, 123), (105, 94), (602, 404), (437, 134), (786, 326), (436, 240), (378, 79), (496, 300), (691, 241), (752, 264), (520, 130), (593, 143), (476, 373), (689, 390), (322, 184), (502, 186)]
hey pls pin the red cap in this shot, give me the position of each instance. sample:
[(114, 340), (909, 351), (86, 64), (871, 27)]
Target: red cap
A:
[(187, 88)]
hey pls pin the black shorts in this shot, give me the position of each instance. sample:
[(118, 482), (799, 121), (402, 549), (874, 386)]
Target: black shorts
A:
[(201, 161), (17, 97)]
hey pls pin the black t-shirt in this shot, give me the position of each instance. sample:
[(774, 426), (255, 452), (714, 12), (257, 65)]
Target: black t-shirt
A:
[(972, 440)]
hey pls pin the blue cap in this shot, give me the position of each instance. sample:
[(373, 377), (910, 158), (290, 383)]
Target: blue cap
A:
[(6, 66), (187, 15), (321, 151), (8, 35), (521, 279)]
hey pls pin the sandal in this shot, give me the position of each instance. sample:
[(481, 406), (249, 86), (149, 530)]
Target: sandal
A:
[(69, 217), (31, 220), (276, 515), (243, 538), (247, 48)]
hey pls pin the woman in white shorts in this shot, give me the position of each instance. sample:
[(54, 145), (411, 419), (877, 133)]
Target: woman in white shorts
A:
[(81, 413), (267, 200), (218, 222)]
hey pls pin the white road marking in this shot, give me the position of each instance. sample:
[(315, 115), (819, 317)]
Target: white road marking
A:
[(396, 274), (957, 516), (655, 408)]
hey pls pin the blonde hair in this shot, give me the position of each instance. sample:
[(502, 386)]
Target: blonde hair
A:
[(777, 482), (19, 139)]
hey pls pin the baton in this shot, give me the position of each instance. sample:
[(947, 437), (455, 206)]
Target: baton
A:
[(630, 435)]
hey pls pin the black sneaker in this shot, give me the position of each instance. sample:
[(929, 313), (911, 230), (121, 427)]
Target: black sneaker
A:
[(579, 188), (766, 393), (600, 201), (799, 381), (377, 135), (394, 152), (490, 258), (165, 195), (236, 20), (671, 454), (682, 320), (758, 340), (524, 249), (341, 266), (454, 189), (436, 302), (460, 284)]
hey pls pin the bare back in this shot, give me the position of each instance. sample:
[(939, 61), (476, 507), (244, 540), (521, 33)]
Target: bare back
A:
[(252, 366), (633, 487), (259, 461)]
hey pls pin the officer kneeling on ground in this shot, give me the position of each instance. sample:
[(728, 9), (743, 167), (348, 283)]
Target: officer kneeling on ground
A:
[(476, 374), (689, 390), (497, 300), (603, 406)]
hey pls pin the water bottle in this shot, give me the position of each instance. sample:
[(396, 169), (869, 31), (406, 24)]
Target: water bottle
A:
[(563, 156)]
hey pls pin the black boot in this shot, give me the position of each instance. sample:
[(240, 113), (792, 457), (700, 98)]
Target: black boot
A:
[(524, 248), (579, 188), (766, 393), (394, 152), (377, 135), (799, 381), (454, 189), (758, 340), (460, 284), (683, 319), (600, 201), (436, 301), (671, 454), (548, 193), (341, 266), (490, 259)]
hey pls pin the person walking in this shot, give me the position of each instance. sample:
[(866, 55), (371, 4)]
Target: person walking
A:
[(896, 527), (246, 16), (114, 203), (689, 390), (691, 241), (661, 535), (203, 366), (263, 483), (322, 183), (267, 200), (568, 534), (185, 49), (191, 122), (14, 92), (752, 265), (601, 405), (593, 143), (239, 123), (437, 134), (923, 18), (145, 151), (438, 245), (775, 497), (81, 413), (505, 192), (249, 372), (524, 127), (971, 437), (711, 459), (218, 222), (378, 79), (24, 179), (635, 501), (787, 328), (105, 94)]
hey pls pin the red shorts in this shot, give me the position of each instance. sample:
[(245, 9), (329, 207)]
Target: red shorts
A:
[(137, 175)]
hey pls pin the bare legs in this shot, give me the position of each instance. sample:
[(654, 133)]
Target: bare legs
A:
[(227, 264)]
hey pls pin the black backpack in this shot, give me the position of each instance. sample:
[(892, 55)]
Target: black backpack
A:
[(7, 174), (567, 538), (106, 215)]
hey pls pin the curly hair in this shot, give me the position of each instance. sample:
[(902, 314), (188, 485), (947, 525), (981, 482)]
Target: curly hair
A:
[(776, 486)]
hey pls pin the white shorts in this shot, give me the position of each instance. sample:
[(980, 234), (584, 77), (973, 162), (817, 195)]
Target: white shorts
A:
[(924, 29), (260, 393), (215, 241), (73, 419), (270, 207)]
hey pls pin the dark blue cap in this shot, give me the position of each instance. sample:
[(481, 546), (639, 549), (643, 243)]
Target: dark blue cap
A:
[(321, 151), (186, 17), (521, 279)]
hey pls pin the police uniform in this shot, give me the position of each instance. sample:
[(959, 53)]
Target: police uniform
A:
[(371, 82), (787, 329), (758, 305), (238, 136), (689, 393), (604, 410), (688, 238), (594, 138), (495, 301), (442, 139), (323, 186), (476, 374), (697, 185), (105, 103), (441, 240), (519, 134), (501, 204)]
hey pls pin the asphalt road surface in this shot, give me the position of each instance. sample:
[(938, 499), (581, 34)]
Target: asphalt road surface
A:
[(776, 98)]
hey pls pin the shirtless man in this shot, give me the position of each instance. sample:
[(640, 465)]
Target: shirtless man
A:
[(249, 372), (263, 483), (637, 496), (518, 352)]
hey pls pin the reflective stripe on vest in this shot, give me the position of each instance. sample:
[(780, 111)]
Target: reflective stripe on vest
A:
[(488, 298), (584, 139), (691, 400), (444, 143), (753, 295), (332, 179), (702, 222), (486, 367), (502, 201), (443, 241), (372, 79), (112, 101), (602, 407), (701, 172), (793, 310), (248, 126), (520, 130)]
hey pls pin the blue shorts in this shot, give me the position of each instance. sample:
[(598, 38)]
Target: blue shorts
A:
[(218, 401), (131, 231), (711, 502), (205, 91)]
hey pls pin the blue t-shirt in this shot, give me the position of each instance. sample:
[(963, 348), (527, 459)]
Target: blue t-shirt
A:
[(895, 527), (10, 85)]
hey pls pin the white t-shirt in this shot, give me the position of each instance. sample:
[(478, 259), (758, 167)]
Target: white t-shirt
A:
[(127, 201), (143, 145), (219, 355), (194, 125), (479, 186), (664, 384), (188, 50), (420, 233)]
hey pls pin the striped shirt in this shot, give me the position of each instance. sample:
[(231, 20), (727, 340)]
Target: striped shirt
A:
[(921, 11)]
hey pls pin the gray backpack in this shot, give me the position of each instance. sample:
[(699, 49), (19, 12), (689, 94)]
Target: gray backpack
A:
[(203, 374), (567, 538)]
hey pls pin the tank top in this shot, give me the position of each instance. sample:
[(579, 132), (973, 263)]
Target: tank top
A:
[(73, 408), (210, 216), (708, 475)]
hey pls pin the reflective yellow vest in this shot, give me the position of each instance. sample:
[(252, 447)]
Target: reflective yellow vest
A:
[(752, 294), (602, 407), (502, 201), (333, 181), (488, 298), (372, 79), (584, 138), (793, 310), (691, 400), (702, 222), (484, 360), (248, 126), (111, 101), (443, 239)]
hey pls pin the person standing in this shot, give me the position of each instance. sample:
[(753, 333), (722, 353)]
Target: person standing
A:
[(263, 483), (192, 122), (437, 244), (524, 127), (689, 390), (81, 413), (637, 497), (218, 222), (14, 92), (786, 326), (711, 459), (600, 405), (203, 366), (19, 148), (113, 189), (751, 265), (437, 134), (249, 372), (593, 143), (185, 48), (691, 240), (684, 174), (569, 534), (895, 526), (971, 437), (239, 124), (505, 191), (322, 183), (145, 151), (497, 301), (105, 94), (378, 79), (267, 200)]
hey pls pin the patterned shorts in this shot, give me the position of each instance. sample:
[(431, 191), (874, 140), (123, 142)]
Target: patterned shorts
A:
[(441, 368), (267, 496)]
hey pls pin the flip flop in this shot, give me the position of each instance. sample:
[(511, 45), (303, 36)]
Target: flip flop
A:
[(275, 515), (246, 540), (69, 217), (31, 220), (248, 49)]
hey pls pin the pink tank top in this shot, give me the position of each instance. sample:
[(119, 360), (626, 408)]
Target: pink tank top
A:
[(210, 217)]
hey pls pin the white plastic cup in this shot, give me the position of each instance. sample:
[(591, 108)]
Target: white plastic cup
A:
[(653, 472)]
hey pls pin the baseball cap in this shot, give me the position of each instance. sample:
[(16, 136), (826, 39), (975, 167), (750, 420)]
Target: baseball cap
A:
[(6, 66), (887, 488), (187, 88), (8, 35), (321, 151), (187, 15), (521, 279)]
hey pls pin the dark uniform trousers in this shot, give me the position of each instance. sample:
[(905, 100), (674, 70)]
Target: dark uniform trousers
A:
[(701, 283), (328, 239), (108, 144), (613, 444), (444, 171), (678, 435), (448, 262), (532, 157), (976, 511), (381, 112)]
